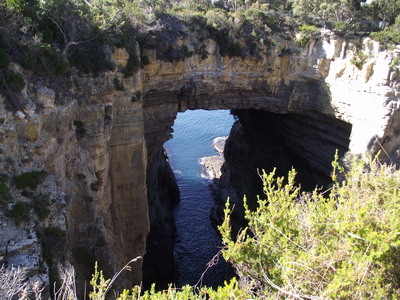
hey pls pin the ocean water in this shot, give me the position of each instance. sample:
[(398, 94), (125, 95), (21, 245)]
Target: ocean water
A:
[(197, 241)]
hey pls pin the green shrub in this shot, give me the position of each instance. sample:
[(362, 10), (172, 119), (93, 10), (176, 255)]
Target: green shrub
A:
[(390, 36), (3, 178), (132, 66), (53, 241), (137, 96), (54, 231), (90, 58), (343, 245), (307, 32), (340, 26), (80, 129), (19, 212), (118, 84), (144, 60), (395, 64), (12, 81), (41, 206), (30, 179), (4, 61), (5, 194), (359, 59), (95, 186)]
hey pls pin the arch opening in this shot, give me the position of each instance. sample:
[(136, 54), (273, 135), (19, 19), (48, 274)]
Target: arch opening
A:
[(259, 139)]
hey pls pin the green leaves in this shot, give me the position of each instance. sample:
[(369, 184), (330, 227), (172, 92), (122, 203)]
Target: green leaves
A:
[(313, 245)]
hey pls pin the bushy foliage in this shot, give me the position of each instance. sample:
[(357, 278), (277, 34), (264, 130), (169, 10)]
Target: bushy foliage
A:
[(41, 205), (395, 64), (5, 194), (389, 36), (19, 212), (306, 33), (11, 81), (30, 179), (344, 244), (4, 60), (359, 59), (80, 129)]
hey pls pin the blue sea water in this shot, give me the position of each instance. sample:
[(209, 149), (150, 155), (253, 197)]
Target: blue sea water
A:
[(197, 241)]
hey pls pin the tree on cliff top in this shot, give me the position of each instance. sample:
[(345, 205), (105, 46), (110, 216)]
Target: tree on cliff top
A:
[(336, 10)]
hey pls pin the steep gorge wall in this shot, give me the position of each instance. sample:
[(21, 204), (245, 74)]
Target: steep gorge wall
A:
[(98, 177)]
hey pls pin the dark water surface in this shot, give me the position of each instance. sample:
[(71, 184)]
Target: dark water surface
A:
[(197, 241)]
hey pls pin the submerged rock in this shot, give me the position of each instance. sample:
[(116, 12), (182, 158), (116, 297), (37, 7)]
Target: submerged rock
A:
[(212, 164), (219, 143)]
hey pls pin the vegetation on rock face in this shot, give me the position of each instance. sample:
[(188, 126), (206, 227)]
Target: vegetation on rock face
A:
[(5, 194), (359, 59), (307, 32), (30, 179), (19, 212), (80, 129)]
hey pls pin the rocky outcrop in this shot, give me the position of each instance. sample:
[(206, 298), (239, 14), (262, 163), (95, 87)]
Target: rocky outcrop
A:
[(211, 165), (101, 140)]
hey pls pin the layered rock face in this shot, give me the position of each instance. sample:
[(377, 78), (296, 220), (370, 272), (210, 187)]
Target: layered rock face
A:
[(163, 194), (107, 168), (92, 144), (262, 141)]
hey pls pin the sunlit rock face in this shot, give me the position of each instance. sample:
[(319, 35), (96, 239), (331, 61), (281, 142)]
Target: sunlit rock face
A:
[(100, 171)]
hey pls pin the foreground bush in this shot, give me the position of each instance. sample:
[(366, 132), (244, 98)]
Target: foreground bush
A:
[(342, 245)]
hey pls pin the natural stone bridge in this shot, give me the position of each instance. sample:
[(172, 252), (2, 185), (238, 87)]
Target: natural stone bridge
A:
[(312, 100)]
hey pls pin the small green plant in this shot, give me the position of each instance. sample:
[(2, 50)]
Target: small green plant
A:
[(95, 186), (307, 32), (3, 178), (80, 129), (4, 60), (41, 206), (19, 212), (99, 284), (395, 64), (144, 60), (53, 241), (30, 179), (80, 176), (340, 26), (54, 231), (359, 59), (132, 66), (12, 81), (137, 96), (118, 84), (5, 194)]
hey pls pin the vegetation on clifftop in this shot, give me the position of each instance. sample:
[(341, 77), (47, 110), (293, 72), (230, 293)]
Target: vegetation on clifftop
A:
[(48, 37), (52, 38)]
